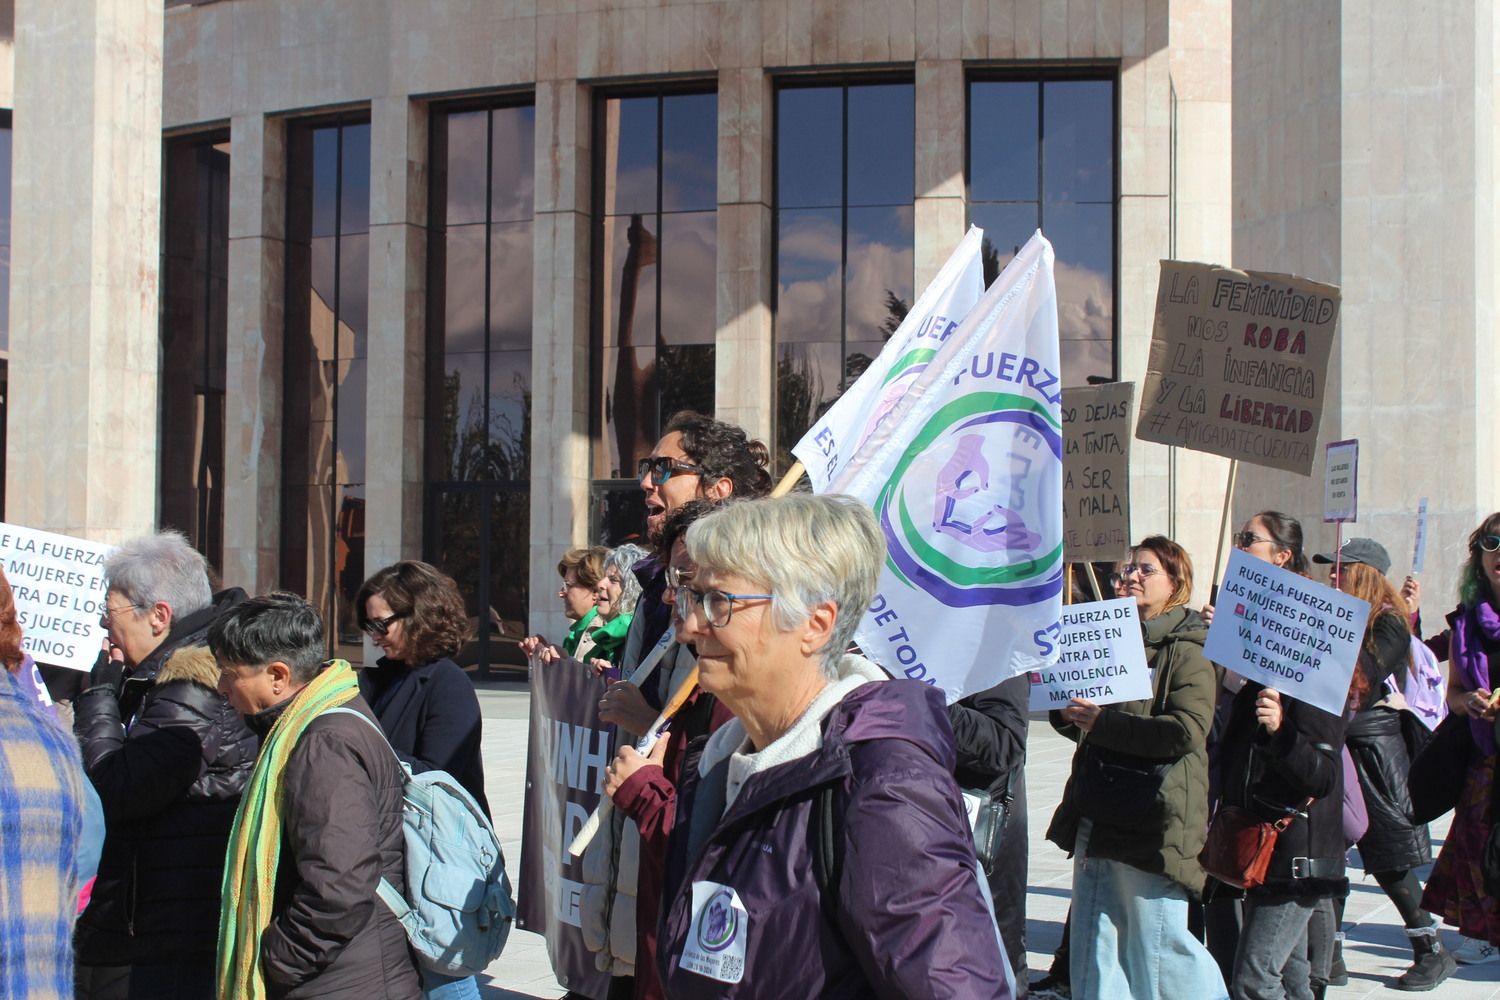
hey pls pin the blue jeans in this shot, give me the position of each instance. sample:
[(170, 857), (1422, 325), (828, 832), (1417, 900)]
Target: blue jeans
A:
[(436, 986), (1130, 934), (1272, 961)]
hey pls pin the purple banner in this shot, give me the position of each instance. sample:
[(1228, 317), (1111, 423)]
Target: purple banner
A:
[(565, 760)]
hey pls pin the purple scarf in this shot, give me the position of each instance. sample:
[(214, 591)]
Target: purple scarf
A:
[(1470, 630)]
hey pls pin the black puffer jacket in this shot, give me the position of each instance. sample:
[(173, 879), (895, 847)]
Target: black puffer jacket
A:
[(1270, 774), (330, 936), (1393, 842), (170, 784), (989, 735)]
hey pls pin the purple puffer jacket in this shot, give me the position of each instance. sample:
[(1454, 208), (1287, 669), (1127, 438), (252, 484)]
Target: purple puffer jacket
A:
[(910, 922)]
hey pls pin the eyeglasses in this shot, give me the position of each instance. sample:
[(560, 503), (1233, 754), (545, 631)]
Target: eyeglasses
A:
[(1145, 572), (105, 619), (662, 468), (380, 626), (1115, 579), (678, 577), (1245, 539), (718, 607), (1490, 543)]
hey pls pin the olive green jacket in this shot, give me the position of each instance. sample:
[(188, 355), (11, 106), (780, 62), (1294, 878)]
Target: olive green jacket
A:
[(1172, 726)]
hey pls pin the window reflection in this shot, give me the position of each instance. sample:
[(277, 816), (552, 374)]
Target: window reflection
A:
[(844, 239), (326, 376), (1041, 154), (655, 274), (478, 449), (194, 330)]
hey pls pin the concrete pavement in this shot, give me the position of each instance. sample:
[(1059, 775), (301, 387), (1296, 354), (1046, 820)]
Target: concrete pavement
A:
[(1376, 949)]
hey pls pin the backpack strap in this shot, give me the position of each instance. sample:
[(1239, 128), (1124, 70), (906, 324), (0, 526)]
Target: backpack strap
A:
[(396, 902), (340, 709), (828, 850)]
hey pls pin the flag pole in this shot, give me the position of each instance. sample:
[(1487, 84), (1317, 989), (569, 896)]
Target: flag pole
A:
[(673, 706), (1088, 568), (1234, 471)]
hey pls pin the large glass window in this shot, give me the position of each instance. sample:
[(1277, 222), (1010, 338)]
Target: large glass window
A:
[(478, 454), (194, 326), (845, 183), (1042, 155), (327, 294), (655, 283)]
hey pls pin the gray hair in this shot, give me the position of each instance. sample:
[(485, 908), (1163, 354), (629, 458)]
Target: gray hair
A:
[(161, 567), (622, 559), (804, 550)]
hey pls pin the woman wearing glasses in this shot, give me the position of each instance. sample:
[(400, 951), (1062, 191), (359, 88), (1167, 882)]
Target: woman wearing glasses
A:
[(1471, 645), (423, 700), (1135, 855), (822, 847)]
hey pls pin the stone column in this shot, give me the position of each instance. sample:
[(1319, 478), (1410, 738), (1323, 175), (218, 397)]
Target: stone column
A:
[(397, 330), (86, 223), (939, 213), (560, 474), (253, 354), (744, 392)]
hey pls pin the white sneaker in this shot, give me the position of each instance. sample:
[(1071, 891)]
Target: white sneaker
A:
[(1473, 951)]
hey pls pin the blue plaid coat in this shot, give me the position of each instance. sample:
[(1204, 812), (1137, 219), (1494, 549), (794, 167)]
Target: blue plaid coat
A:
[(41, 817)]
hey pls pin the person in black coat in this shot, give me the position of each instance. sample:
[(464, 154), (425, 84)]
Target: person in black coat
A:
[(1394, 845), (989, 735), (423, 700), (169, 758)]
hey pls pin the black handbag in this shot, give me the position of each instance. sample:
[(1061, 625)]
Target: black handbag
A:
[(1117, 788), (989, 821), (1437, 774)]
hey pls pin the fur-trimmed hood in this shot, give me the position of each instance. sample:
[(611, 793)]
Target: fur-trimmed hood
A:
[(191, 663)]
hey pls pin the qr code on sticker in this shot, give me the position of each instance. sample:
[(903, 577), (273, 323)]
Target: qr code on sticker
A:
[(731, 968)]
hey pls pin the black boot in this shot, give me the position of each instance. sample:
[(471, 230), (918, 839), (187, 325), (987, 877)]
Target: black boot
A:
[(1433, 963), (1338, 972)]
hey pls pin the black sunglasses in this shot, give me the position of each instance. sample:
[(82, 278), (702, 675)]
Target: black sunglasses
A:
[(663, 468), (380, 626)]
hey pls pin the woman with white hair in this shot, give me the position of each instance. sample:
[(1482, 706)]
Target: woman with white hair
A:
[(615, 597), (821, 847)]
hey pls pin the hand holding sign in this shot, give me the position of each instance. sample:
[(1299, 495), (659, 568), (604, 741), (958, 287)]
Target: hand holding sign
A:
[(1102, 661)]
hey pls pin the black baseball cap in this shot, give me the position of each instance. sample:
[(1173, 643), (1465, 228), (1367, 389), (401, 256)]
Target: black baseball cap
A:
[(1360, 550)]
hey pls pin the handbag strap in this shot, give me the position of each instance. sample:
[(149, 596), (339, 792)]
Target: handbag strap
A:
[(1292, 814)]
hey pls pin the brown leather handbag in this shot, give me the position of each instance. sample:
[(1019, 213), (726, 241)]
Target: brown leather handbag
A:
[(1240, 843)]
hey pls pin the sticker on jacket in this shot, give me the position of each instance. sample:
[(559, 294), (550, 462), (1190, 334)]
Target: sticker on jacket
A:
[(716, 938)]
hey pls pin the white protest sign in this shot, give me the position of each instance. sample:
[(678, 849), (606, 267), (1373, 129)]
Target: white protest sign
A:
[(1102, 657), (1286, 632), (1419, 552), (58, 583), (1341, 482)]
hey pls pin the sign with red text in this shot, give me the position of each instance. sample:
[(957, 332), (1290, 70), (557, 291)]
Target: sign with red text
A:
[(569, 749), (58, 584), (1238, 364), (1287, 632), (1096, 471), (1341, 482)]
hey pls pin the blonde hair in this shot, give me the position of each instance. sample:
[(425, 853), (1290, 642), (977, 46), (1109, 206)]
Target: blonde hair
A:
[(804, 550)]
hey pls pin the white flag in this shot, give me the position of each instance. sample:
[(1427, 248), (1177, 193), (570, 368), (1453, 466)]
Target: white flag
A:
[(831, 442), (965, 477)]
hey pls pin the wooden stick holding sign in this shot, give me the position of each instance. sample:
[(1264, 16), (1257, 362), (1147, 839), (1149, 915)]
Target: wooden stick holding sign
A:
[(1234, 471), (674, 703)]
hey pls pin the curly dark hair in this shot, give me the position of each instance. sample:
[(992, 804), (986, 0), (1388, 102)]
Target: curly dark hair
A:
[(431, 607), (723, 451), (1472, 585), (10, 628), (676, 524)]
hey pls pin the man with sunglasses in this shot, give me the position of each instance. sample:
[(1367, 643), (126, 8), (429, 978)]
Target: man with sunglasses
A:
[(697, 458)]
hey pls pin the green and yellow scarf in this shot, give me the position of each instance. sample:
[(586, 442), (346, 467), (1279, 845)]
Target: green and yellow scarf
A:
[(255, 840)]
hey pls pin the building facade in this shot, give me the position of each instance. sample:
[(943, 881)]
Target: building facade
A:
[(330, 283)]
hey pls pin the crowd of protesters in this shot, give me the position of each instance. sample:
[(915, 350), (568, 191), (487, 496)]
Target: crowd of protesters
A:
[(786, 820)]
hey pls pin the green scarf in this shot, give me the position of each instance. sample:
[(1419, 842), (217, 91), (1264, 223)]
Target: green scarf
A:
[(609, 638), (255, 840), (577, 631)]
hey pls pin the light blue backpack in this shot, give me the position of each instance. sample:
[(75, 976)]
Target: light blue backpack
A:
[(458, 908)]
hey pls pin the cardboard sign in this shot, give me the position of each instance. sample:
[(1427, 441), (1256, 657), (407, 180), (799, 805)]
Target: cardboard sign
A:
[(1341, 482), (1280, 629), (58, 583), (567, 753), (1096, 472), (1419, 550), (1237, 365), (1102, 657)]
